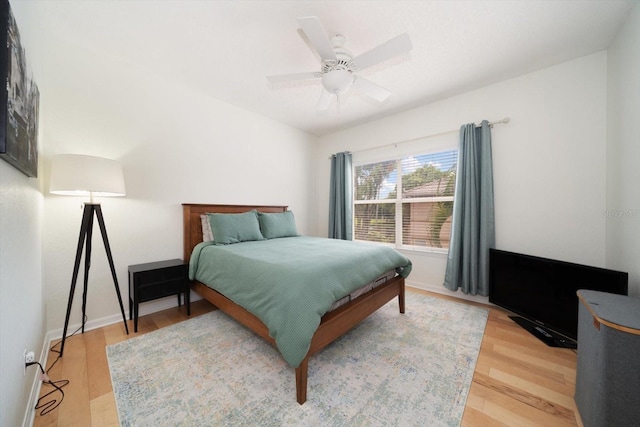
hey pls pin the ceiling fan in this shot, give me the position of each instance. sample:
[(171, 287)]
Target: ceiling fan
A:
[(338, 66)]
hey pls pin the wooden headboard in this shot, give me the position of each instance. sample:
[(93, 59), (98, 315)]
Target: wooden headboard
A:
[(191, 212)]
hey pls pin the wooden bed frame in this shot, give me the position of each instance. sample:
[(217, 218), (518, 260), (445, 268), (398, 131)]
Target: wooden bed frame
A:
[(333, 324)]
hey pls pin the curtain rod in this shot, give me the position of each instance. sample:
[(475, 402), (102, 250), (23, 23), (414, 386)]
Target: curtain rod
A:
[(498, 122)]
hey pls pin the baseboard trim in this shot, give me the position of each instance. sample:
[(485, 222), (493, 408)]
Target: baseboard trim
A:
[(144, 309), (439, 289)]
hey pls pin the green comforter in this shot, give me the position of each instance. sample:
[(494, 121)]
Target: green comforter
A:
[(290, 283)]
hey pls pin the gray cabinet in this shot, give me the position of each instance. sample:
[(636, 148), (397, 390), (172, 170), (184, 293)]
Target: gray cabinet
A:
[(608, 372)]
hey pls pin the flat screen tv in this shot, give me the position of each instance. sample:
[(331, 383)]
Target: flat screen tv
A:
[(543, 292)]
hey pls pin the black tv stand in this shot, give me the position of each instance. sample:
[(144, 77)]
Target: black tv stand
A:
[(547, 336)]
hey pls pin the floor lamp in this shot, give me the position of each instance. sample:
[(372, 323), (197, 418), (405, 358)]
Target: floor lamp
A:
[(80, 175)]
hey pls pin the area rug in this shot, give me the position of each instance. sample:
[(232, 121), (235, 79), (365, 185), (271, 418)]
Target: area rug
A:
[(392, 369)]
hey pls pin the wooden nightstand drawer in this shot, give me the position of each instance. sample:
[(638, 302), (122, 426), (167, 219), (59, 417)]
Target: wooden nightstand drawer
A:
[(157, 280)]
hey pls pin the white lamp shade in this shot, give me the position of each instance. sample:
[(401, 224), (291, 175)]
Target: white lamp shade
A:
[(80, 175)]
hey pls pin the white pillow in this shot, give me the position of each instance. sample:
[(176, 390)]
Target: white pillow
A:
[(207, 234)]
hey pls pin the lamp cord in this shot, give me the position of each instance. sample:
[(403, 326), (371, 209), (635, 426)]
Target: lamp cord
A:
[(52, 404)]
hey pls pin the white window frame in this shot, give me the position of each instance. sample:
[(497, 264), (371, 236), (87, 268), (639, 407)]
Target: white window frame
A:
[(398, 202)]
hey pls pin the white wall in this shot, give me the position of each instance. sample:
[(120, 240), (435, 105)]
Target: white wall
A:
[(22, 305), (548, 162), (623, 151), (22, 309)]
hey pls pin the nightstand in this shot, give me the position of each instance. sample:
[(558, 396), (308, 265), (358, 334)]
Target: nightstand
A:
[(157, 280)]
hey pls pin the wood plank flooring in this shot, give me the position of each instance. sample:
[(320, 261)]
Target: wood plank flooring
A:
[(518, 380)]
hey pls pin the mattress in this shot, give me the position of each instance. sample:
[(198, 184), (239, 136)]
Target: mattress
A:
[(363, 290)]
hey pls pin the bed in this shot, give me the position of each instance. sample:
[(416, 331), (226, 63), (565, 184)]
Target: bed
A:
[(337, 320)]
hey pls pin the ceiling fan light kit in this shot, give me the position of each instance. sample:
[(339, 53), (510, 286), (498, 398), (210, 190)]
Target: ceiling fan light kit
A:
[(338, 66), (337, 81)]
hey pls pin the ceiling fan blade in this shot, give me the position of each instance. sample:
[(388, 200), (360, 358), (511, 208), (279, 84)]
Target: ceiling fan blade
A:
[(306, 41), (317, 36), (371, 89), (387, 50), (326, 98), (289, 77)]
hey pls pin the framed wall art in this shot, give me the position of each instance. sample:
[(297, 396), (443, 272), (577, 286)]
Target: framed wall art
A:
[(19, 99)]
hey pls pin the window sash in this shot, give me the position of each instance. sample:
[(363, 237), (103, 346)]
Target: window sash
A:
[(427, 224), (375, 222)]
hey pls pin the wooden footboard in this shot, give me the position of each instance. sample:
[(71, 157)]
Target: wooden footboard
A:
[(333, 325)]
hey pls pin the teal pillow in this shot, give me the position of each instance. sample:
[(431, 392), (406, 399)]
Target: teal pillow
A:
[(235, 228), (274, 225)]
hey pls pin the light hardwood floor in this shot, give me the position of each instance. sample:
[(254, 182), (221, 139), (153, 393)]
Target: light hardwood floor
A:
[(518, 380)]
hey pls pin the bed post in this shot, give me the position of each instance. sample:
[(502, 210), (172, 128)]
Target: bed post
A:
[(187, 245), (301, 381)]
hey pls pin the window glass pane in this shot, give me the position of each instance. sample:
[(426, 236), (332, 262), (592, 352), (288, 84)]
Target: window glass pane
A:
[(375, 181), (375, 222), (429, 175), (427, 224)]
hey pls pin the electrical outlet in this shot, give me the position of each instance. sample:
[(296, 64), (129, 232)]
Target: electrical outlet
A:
[(27, 357)]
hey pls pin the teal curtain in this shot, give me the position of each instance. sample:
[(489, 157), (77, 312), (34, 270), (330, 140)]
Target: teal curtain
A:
[(473, 224), (341, 197)]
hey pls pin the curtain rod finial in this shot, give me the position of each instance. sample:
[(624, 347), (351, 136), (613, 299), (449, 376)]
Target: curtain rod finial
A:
[(506, 120)]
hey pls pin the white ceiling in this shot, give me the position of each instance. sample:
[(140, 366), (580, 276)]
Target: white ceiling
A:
[(226, 48)]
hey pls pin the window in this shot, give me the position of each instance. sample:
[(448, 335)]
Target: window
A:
[(406, 202)]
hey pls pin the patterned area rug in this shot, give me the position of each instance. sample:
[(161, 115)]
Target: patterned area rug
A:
[(392, 369)]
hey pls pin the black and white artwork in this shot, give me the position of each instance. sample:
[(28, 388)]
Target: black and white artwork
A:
[(18, 101)]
